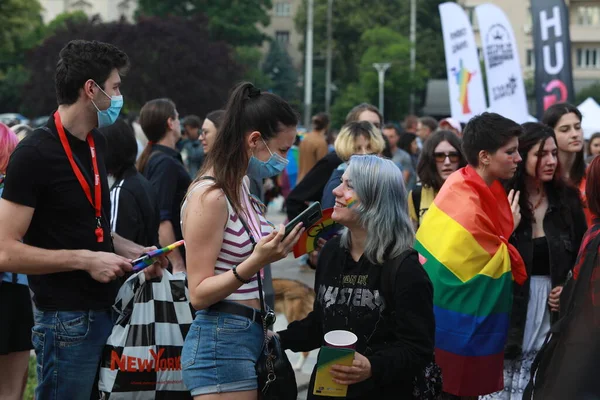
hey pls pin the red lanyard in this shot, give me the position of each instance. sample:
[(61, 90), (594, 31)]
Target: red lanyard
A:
[(97, 204)]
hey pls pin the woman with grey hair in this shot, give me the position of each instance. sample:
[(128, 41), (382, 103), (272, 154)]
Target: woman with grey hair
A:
[(369, 281)]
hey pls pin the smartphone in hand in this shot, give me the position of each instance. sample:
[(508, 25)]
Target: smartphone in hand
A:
[(308, 217)]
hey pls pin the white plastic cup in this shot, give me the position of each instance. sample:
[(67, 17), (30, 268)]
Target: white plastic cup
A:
[(341, 339)]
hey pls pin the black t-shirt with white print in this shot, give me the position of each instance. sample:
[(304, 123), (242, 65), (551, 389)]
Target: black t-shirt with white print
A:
[(40, 176), (349, 296)]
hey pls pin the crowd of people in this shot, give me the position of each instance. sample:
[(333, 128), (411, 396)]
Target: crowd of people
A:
[(496, 211)]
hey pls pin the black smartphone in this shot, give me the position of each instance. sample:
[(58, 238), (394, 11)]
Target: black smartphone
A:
[(308, 218)]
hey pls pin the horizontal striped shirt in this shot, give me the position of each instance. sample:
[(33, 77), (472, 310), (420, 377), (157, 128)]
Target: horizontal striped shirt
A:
[(237, 245)]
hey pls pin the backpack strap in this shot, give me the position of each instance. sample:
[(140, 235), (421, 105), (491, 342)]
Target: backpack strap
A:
[(387, 285), (388, 277), (416, 198)]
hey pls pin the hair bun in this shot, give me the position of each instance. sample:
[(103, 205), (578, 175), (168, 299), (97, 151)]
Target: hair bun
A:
[(253, 92)]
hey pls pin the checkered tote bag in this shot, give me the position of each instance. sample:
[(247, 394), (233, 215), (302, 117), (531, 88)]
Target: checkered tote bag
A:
[(142, 357)]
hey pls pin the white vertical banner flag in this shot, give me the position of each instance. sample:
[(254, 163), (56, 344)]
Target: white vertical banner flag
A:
[(506, 90), (465, 83)]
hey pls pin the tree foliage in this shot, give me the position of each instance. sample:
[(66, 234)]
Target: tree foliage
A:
[(20, 30), (170, 57), (12, 81), (19, 19), (592, 91), (251, 59), (235, 22), (381, 44), (278, 66), (350, 20)]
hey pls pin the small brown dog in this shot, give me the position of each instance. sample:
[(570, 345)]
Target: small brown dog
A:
[(294, 300)]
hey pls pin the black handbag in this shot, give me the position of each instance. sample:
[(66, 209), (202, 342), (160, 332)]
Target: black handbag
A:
[(276, 377)]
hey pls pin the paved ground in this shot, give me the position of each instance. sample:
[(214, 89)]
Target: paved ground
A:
[(289, 268)]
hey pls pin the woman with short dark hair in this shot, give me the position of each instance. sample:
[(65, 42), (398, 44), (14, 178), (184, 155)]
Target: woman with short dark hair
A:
[(463, 243)]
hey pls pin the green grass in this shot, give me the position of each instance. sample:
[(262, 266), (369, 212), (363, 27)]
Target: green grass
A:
[(31, 380)]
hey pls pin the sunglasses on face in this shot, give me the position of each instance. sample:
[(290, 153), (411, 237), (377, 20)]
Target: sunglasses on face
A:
[(441, 157)]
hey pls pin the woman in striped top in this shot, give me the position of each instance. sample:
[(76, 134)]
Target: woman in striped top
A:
[(221, 222)]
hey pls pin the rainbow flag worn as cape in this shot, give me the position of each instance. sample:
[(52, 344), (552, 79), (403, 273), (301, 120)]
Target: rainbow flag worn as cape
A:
[(463, 246)]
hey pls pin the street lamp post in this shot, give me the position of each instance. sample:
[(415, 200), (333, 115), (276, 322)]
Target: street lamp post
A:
[(381, 68), (308, 67), (329, 55), (413, 51)]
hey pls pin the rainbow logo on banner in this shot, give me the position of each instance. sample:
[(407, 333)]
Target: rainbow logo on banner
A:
[(462, 247), (325, 228), (463, 77)]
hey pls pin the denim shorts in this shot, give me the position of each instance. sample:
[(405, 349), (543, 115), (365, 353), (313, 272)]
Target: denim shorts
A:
[(220, 352)]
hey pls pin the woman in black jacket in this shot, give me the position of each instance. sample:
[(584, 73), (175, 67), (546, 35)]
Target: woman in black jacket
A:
[(395, 334), (548, 237), (134, 204)]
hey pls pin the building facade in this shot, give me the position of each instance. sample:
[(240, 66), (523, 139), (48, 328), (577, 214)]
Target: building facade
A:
[(283, 29), (584, 29), (108, 10)]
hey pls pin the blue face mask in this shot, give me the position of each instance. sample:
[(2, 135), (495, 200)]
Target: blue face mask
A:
[(109, 116), (266, 169)]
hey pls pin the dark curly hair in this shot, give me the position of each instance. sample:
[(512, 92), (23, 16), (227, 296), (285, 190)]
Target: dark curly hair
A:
[(427, 168), (81, 60)]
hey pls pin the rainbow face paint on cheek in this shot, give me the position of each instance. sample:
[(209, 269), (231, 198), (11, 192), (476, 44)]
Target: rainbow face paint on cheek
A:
[(351, 201)]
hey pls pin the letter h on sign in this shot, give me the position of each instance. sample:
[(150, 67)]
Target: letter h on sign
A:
[(546, 24), (553, 75)]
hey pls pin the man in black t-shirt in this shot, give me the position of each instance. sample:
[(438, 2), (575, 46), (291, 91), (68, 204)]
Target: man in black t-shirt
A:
[(54, 222)]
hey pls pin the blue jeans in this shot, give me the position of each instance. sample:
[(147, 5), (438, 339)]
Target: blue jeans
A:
[(68, 346), (220, 353)]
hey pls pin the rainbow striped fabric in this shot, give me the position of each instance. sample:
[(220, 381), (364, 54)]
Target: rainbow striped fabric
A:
[(463, 246)]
